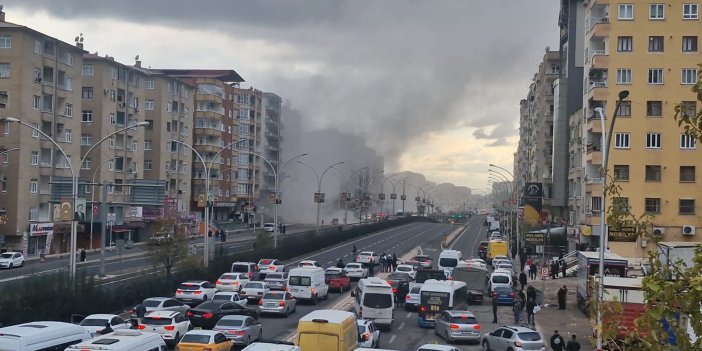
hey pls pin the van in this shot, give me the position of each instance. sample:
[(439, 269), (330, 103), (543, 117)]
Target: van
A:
[(496, 248), (123, 340), (308, 283), (41, 336), (374, 300), (448, 259), (327, 330), (500, 279), (248, 268)]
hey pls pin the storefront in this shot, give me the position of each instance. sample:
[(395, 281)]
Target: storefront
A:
[(40, 236)]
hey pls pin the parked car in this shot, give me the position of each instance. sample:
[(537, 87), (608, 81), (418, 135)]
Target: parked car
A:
[(406, 268), (96, 322), (269, 227), (248, 268), (269, 265), (277, 302), (508, 337), (368, 257), (503, 294), (356, 270), (337, 279), (412, 298), (195, 291), (424, 260), (204, 340), (368, 334), (163, 304), (241, 330), (277, 281), (397, 278), (11, 259), (309, 263), (229, 296), (231, 281), (207, 314), (253, 291), (170, 325), (458, 325)]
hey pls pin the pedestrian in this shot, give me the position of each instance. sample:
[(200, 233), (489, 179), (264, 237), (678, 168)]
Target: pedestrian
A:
[(530, 305), (353, 251), (140, 311), (573, 344), (531, 293), (223, 236), (402, 292), (285, 227), (108, 329), (563, 268), (83, 255), (523, 279), (562, 293), (383, 262), (557, 342), (494, 308), (554, 270), (394, 261), (522, 259), (532, 270), (517, 309), (340, 264), (522, 298)]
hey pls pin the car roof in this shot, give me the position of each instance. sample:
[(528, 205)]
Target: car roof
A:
[(332, 316), (367, 252), (11, 252), (227, 293), (334, 269), (199, 282), (502, 272), (437, 347), (519, 329), (268, 259), (234, 317), (354, 263), (101, 316), (159, 298), (203, 332), (454, 313), (241, 262), (162, 314), (405, 265)]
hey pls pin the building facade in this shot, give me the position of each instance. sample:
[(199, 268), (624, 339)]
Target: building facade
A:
[(248, 177), (270, 142)]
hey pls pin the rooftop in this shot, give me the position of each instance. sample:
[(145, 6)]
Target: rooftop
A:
[(225, 75)]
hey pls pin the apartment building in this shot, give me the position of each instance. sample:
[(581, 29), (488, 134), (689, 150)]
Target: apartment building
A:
[(40, 84), (270, 141), (650, 50), (249, 175)]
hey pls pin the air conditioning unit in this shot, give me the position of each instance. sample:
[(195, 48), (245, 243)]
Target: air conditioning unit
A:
[(688, 229), (658, 231)]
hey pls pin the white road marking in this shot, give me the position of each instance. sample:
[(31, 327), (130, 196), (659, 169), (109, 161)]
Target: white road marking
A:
[(409, 315), (401, 326), (392, 338)]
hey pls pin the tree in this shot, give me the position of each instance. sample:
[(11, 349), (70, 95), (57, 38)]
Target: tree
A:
[(168, 244)]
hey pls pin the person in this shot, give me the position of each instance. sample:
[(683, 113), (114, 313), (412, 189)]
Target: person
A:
[(140, 311), (517, 309), (285, 227), (223, 236), (563, 268), (340, 264), (402, 292), (532, 270), (522, 259), (573, 344), (523, 279), (394, 261), (562, 292), (557, 342), (353, 251), (522, 298), (83, 255), (382, 262), (107, 330), (530, 311), (554, 270), (531, 293), (560, 256), (494, 308)]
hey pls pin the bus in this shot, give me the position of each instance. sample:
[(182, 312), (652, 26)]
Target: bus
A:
[(436, 296)]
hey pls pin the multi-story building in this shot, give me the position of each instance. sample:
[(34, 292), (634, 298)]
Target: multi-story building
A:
[(651, 50), (40, 84), (270, 149), (248, 177)]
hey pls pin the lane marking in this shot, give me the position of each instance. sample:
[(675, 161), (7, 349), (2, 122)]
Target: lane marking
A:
[(401, 326), (392, 338), (408, 315)]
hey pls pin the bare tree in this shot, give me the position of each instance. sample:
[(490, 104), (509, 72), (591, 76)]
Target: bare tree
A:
[(168, 244)]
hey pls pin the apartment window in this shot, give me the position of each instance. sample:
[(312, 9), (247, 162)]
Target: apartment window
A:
[(168, 107), (687, 174), (36, 102), (5, 41), (35, 158), (149, 84), (626, 12), (33, 186), (653, 140), (38, 47), (621, 172), (113, 119), (689, 76), (625, 44), (690, 11), (35, 130), (620, 203), (86, 139), (621, 140), (87, 163), (4, 70), (652, 205), (3, 184), (148, 165), (686, 207), (688, 108), (87, 93), (689, 44), (655, 44), (596, 203), (624, 109), (656, 11), (147, 144), (687, 142), (111, 165), (150, 125), (68, 110), (68, 136), (111, 142), (654, 108), (87, 115), (624, 76), (653, 173), (88, 70), (33, 214), (655, 76), (149, 105)]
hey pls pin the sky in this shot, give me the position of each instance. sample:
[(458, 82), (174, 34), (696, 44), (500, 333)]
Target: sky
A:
[(434, 86)]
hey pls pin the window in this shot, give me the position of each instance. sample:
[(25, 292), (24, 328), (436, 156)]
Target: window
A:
[(112, 118), (86, 139), (5, 41), (88, 70), (68, 136), (655, 44), (147, 165), (687, 174), (621, 172), (68, 110), (35, 130), (654, 108), (624, 109), (149, 84), (35, 158), (87, 163), (620, 203), (4, 70), (653, 173), (624, 76), (626, 11), (655, 76), (149, 105), (690, 11), (687, 142), (87, 93), (689, 76), (34, 214), (652, 205), (36, 102), (653, 140), (87, 115), (621, 140), (147, 144), (33, 186), (596, 204), (168, 107), (625, 44), (688, 108), (686, 206), (689, 44), (656, 11), (38, 47)]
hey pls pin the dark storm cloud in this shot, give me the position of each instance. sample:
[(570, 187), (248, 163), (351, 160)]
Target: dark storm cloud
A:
[(391, 71)]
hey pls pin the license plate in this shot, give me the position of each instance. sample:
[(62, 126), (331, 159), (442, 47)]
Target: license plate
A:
[(197, 315), (270, 305), (198, 328)]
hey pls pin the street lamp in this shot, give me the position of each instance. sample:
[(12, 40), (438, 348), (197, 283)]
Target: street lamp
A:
[(8, 150), (319, 185), (346, 203), (511, 197), (394, 192), (603, 227), (382, 191)]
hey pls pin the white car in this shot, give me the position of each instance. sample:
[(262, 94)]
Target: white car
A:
[(96, 322), (368, 333), (11, 259), (437, 347), (505, 266), (170, 325), (269, 265), (195, 291), (368, 257), (309, 263), (163, 303), (269, 227), (231, 281), (407, 268), (356, 270), (479, 261), (253, 291), (229, 296), (412, 298)]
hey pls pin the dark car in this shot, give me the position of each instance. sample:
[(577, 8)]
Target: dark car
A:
[(482, 249), (395, 279), (504, 295), (424, 261), (208, 313), (426, 274)]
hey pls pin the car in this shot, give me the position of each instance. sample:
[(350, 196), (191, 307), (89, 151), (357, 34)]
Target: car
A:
[(479, 261), (412, 298), (495, 236), (437, 347), (426, 274), (424, 260), (269, 265), (269, 227), (231, 281), (337, 279), (501, 257), (253, 291), (397, 278), (504, 295), (210, 340), (247, 268), (482, 249), (96, 322), (368, 257), (505, 266), (11, 259), (195, 291), (513, 338), (241, 330), (272, 346), (368, 333), (498, 261), (170, 325), (208, 313), (309, 263), (163, 304), (229, 296), (277, 280), (277, 302), (455, 325), (406, 268), (356, 270)]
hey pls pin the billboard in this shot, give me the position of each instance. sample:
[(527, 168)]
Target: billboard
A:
[(531, 201)]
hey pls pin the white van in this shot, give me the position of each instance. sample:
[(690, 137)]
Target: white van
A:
[(35, 336), (500, 279), (123, 340), (448, 260), (308, 283), (374, 300)]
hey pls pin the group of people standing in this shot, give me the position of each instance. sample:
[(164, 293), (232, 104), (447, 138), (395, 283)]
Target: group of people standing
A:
[(521, 303), (388, 262)]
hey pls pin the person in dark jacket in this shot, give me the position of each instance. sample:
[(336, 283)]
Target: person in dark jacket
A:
[(531, 293), (402, 291), (557, 342), (563, 268), (530, 311), (522, 259), (532, 270), (573, 344), (108, 329), (394, 261), (523, 279), (140, 311), (494, 309), (554, 270), (83, 255), (340, 264), (383, 263), (562, 292)]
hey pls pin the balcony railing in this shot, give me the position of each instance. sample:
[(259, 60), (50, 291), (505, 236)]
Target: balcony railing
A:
[(595, 21), (593, 148), (594, 53)]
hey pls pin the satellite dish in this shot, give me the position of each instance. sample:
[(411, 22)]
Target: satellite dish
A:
[(136, 58), (1, 7), (76, 39)]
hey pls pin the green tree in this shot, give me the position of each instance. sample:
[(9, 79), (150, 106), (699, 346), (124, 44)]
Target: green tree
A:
[(168, 244)]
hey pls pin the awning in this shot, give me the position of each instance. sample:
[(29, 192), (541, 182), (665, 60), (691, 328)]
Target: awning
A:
[(121, 230)]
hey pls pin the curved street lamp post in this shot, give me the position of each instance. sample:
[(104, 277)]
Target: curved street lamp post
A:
[(319, 198)]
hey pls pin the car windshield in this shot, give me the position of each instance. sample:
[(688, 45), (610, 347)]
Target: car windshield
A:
[(448, 262), (240, 268), (398, 276), (229, 276), (376, 300), (265, 261), (366, 253), (500, 279), (195, 339), (300, 281), (230, 323), (152, 303), (353, 265), (404, 269), (189, 286), (415, 290), (464, 320), (529, 336), (156, 321), (93, 322), (221, 297), (253, 285), (331, 274), (7, 255), (274, 296), (274, 276)]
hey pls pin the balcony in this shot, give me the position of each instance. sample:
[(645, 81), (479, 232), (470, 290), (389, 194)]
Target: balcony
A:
[(599, 58), (204, 97), (271, 135), (599, 27), (203, 148), (596, 89), (593, 185), (207, 113), (594, 154), (209, 130), (594, 125)]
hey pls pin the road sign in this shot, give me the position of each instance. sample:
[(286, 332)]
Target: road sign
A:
[(544, 272)]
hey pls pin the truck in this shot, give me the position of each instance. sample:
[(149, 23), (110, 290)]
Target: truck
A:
[(670, 252), (628, 292), (588, 266), (475, 277)]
